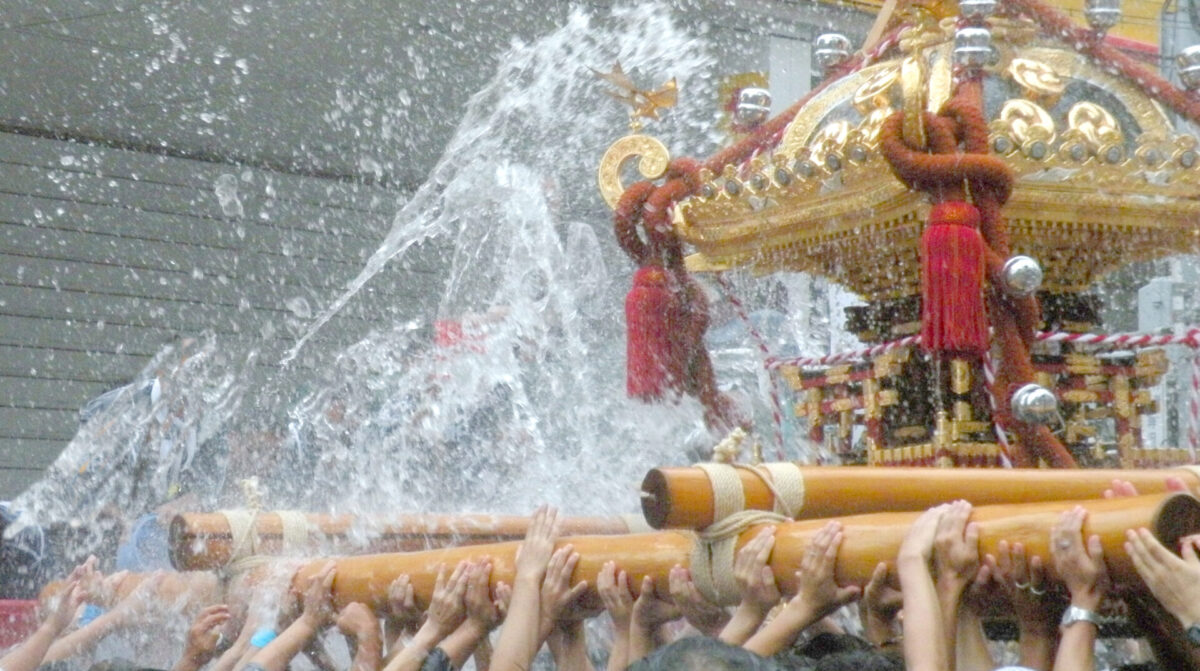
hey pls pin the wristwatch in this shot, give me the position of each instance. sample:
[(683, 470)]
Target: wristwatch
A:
[(1193, 635), (1075, 614)]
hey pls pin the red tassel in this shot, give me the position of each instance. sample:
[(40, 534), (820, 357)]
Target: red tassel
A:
[(952, 275), (650, 313)]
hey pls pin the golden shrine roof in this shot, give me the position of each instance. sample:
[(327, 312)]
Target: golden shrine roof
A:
[(1103, 177)]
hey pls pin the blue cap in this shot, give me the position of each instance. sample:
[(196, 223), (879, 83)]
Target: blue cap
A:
[(262, 637), (90, 612)]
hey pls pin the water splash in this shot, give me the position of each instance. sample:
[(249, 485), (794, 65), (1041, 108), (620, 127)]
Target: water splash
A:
[(512, 394)]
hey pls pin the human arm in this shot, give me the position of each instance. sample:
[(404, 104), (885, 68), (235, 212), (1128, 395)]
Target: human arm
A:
[(878, 609), (613, 587), (125, 613), (316, 613), (403, 615), (922, 611), (706, 617), (1166, 637), (1022, 580), (361, 629), (1173, 580), (29, 655), (203, 638), (446, 612), (971, 648), (483, 614), (759, 591), (956, 565), (650, 611), (558, 595), (518, 642), (1081, 568), (817, 594), (568, 646)]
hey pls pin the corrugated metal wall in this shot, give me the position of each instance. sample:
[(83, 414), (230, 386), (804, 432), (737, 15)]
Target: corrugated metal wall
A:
[(106, 255)]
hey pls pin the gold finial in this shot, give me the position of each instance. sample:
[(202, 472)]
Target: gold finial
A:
[(644, 104)]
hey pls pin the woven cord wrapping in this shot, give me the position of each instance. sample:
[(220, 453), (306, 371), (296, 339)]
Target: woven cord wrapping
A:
[(713, 554), (944, 172), (246, 553)]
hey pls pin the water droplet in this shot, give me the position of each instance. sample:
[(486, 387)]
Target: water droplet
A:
[(299, 306), (226, 188)]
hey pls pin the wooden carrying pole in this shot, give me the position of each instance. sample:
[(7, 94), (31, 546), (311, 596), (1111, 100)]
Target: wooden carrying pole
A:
[(869, 539), (202, 541), (683, 497)]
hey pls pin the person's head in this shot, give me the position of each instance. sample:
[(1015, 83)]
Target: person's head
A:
[(701, 653), (860, 660)]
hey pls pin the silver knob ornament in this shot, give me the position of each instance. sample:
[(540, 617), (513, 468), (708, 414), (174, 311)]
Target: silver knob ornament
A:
[(1022, 276), (753, 106), (973, 47), (976, 11), (1102, 14), (1035, 404), (1188, 61), (831, 50)]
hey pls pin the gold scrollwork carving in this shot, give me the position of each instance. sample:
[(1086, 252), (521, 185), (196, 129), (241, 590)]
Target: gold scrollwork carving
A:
[(653, 164), (1027, 121), (830, 139), (874, 101), (1094, 123), (1039, 82)]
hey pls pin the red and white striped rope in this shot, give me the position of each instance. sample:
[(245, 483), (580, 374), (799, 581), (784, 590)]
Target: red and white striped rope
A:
[(774, 363), (1189, 338), (1194, 410), (989, 376)]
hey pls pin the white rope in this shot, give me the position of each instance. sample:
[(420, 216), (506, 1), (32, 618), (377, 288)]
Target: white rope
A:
[(728, 497), (243, 533), (295, 530), (788, 482), (713, 555)]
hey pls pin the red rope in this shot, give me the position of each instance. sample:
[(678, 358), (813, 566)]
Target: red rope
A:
[(942, 170), (1092, 44)]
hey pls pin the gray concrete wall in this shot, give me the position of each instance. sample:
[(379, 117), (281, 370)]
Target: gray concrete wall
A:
[(107, 255)]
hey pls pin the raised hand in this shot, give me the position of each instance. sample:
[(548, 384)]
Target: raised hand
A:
[(956, 550), (357, 621), (558, 597), (755, 578), (484, 612), (1173, 580), (318, 597), (70, 599), (446, 607), (817, 592), (879, 606), (535, 551), (1023, 580), (705, 616), (401, 603), (1080, 566), (205, 637)]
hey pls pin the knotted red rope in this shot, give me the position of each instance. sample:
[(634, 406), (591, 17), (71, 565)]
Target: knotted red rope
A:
[(949, 175), (666, 312)]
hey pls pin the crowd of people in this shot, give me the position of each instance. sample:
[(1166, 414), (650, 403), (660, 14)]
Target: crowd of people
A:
[(924, 611)]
